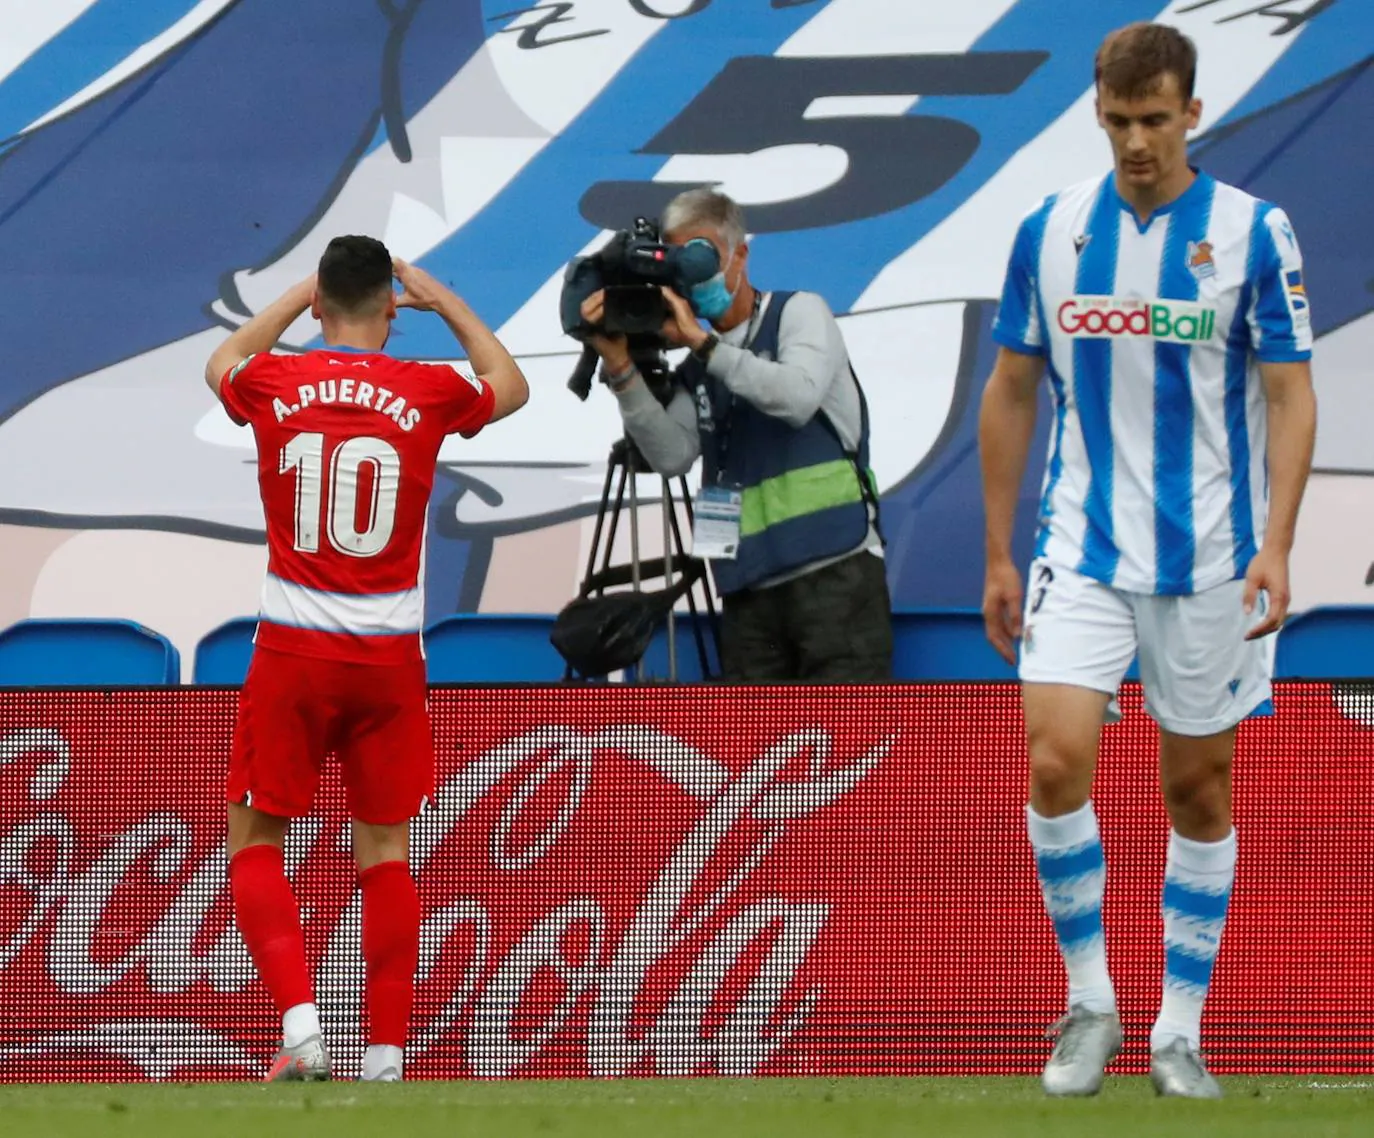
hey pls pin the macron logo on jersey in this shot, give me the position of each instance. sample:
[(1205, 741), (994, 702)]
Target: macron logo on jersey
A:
[(1108, 317)]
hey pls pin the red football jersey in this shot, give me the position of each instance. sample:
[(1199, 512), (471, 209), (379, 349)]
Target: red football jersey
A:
[(347, 444)]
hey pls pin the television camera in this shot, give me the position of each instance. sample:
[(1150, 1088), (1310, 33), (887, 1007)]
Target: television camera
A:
[(632, 267)]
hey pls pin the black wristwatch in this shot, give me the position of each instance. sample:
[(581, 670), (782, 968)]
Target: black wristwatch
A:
[(703, 354)]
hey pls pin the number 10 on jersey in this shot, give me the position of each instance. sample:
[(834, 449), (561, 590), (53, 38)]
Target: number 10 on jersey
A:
[(334, 503)]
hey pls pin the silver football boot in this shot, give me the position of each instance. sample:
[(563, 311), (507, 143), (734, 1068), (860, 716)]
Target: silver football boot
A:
[(1178, 1071), (306, 1063), (1087, 1042)]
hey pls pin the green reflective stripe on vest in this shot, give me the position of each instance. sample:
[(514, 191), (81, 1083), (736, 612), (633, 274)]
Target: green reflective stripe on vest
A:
[(798, 493)]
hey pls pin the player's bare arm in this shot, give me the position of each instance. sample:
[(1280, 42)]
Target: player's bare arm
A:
[(486, 354), (261, 332), (1292, 414), (1006, 423)]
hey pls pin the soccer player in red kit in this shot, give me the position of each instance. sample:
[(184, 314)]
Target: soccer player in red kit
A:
[(347, 442)]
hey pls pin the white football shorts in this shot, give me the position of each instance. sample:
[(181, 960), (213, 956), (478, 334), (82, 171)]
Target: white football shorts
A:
[(1199, 673)]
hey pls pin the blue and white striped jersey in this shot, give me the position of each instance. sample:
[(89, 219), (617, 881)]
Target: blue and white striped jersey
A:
[(1153, 334)]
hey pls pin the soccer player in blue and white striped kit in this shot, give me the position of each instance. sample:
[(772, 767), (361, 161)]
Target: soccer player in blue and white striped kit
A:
[(1169, 313)]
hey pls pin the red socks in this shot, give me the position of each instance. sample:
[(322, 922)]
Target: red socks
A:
[(391, 949), (269, 921)]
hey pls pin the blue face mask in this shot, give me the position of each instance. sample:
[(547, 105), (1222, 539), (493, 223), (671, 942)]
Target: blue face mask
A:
[(711, 299)]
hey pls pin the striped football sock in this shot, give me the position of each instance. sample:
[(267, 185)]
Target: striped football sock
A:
[(1073, 877), (1197, 890)]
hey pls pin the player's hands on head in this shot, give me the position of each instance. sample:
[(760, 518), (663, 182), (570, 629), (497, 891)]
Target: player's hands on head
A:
[(614, 349), (1002, 600), (419, 290), (303, 292), (1267, 574)]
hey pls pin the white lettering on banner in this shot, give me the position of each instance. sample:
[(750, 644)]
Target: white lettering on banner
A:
[(15, 851), (70, 961), (612, 970), (173, 964), (493, 1047), (657, 927), (581, 760), (743, 1043), (49, 777), (46, 829), (434, 934)]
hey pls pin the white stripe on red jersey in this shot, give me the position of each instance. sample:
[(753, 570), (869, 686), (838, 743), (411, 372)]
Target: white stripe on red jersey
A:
[(374, 614)]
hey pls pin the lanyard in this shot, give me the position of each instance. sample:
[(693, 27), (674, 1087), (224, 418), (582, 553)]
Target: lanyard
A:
[(755, 317), (725, 426)]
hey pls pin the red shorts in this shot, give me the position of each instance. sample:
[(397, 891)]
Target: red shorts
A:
[(294, 710)]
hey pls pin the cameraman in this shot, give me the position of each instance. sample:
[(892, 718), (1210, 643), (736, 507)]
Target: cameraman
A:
[(768, 399)]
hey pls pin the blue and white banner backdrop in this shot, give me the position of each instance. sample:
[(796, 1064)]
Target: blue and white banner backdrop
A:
[(168, 167)]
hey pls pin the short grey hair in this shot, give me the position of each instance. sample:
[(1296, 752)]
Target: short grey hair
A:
[(705, 206)]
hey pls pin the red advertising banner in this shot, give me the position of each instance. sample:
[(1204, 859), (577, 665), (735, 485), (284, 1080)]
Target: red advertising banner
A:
[(675, 881)]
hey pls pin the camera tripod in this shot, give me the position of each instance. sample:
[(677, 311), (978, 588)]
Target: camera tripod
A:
[(624, 463)]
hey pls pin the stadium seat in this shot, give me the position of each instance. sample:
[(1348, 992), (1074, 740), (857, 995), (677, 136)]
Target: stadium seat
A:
[(223, 654), (59, 652), (1334, 642), (475, 648), (688, 658), (944, 644)]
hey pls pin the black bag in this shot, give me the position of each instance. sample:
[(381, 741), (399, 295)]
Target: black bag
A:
[(597, 635), (605, 633)]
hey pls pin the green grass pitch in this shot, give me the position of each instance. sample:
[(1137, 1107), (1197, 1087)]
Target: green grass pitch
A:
[(1301, 1107)]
